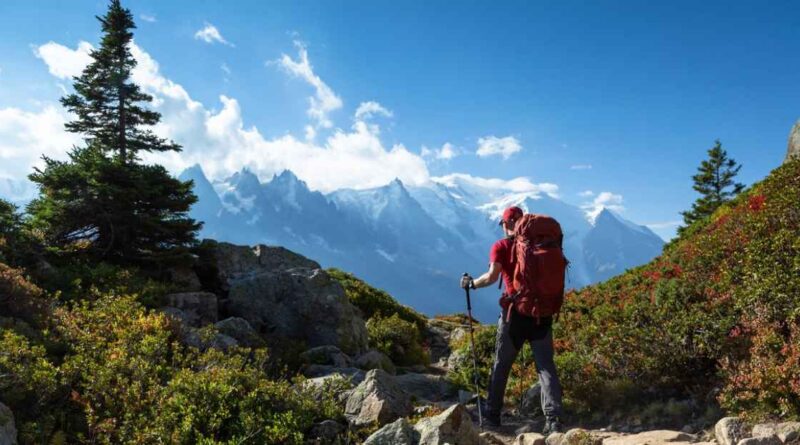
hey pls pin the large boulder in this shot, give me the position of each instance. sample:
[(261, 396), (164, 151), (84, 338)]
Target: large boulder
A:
[(453, 426), (199, 307), (378, 399), (283, 294), (8, 431), (579, 436), (764, 440), (730, 430), (399, 432), (793, 149)]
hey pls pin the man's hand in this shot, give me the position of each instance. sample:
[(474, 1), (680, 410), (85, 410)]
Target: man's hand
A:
[(466, 280)]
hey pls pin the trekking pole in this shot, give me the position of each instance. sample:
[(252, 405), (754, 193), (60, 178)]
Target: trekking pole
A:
[(474, 356)]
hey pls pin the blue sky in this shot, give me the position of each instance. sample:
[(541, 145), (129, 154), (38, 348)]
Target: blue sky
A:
[(616, 97)]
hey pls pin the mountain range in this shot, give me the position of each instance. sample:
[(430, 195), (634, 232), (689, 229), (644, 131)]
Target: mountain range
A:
[(414, 242)]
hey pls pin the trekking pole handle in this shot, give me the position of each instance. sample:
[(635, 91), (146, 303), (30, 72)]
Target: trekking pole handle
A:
[(466, 289)]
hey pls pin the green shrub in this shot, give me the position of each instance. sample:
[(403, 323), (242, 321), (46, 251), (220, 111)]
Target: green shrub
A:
[(397, 338), (372, 301)]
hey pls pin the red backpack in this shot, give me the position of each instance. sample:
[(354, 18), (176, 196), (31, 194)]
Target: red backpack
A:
[(539, 267)]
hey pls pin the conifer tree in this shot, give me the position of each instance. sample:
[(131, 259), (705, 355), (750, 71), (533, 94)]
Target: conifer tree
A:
[(715, 183), (103, 200)]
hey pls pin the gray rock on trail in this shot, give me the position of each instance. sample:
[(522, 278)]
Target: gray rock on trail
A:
[(241, 331), (764, 440), (8, 431), (326, 355), (530, 439), (656, 437), (729, 431), (579, 436), (374, 359), (430, 387), (793, 149), (200, 308), (453, 426), (554, 439), (283, 294), (399, 432), (530, 404), (787, 432), (378, 399)]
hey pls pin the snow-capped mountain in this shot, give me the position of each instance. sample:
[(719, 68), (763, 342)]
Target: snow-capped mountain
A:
[(415, 242)]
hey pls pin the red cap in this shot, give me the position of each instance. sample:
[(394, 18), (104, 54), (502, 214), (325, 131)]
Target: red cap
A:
[(511, 214)]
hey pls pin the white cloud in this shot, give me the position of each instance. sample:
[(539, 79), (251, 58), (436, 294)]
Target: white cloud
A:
[(324, 100), (225, 68), (492, 145), (581, 167), (63, 62), (27, 135), (151, 18), (516, 185), (604, 200), (210, 34), (664, 225), (446, 152), (586, 193), (368, 109)]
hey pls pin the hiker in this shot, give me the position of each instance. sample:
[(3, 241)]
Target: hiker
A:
[(514, 329)]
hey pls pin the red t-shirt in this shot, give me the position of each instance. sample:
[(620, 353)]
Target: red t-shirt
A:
[(501, 253)]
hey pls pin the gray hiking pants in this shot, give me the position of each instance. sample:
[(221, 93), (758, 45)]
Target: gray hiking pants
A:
[(511, 336)]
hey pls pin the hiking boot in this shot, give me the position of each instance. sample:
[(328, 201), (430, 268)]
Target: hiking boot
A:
[(553, 425)]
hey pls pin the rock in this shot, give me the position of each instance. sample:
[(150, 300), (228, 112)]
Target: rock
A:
[(185, 278), (436, 337), (374, 359), (657, 437), (425, 386), (579, 436), (729, 431), (764, 440), (530, 439), (326, 355), (452, 426), (377, 399), (8, 431), (241, 331), (286, 295), (554, 439), (457, 359), (530, 405), (326, 431), (793, 149), (199, 307), (787, 432), (490, 439), (354, 374), (457, 334), (399, 432), (465, 397)]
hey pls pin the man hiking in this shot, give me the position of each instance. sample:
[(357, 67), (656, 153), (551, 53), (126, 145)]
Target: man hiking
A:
[(520, 321)]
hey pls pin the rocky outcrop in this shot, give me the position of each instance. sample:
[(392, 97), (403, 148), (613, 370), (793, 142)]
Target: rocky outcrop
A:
[(378, 399), (399, 432), (286, 295), (198, 308), (787, 432), (793, 149), (729, 431), (8, 431), (452, 426), (765, 440)]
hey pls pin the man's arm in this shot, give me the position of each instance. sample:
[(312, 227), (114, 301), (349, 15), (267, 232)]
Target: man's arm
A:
[(489, 277)]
